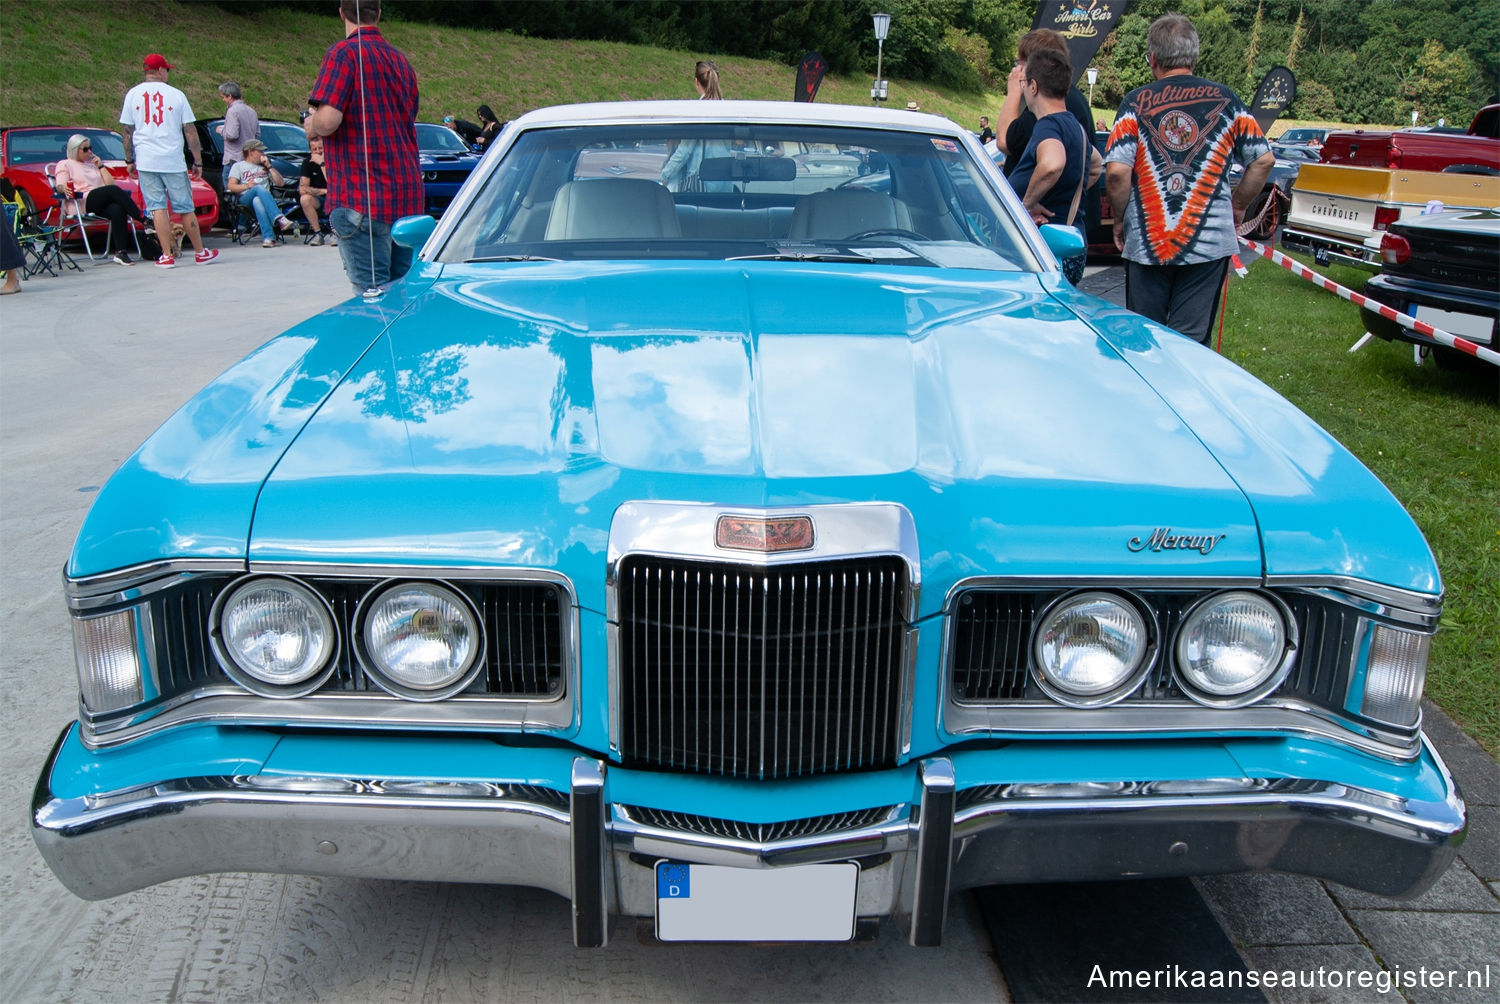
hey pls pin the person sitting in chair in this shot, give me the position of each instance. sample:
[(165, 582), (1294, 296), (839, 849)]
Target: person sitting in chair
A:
[(83, 178), (250, 180), (312, 189)]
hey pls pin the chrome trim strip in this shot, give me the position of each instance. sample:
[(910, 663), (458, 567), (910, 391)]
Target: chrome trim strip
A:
[(589, 886), (1274, 719), (1421, 609), (371, 710), (1073, 582), (1389, 601), (934, 864), (380, 573), (127, 585)]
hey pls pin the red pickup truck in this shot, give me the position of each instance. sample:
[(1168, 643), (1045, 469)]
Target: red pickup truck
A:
[(1422, 149)]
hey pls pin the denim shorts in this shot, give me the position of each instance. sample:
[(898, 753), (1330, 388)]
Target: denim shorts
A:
[(158, 188)]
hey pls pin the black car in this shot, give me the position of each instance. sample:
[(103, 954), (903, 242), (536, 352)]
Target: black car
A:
[(1444, 269)]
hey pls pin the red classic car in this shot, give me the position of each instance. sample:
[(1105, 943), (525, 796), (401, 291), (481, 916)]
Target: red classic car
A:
[(27, 150)]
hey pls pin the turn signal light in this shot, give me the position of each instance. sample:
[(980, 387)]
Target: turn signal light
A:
[(1385, 216), (1394, 249)]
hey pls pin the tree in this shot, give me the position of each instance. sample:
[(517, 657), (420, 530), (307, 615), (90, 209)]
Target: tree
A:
[(1440, 83)]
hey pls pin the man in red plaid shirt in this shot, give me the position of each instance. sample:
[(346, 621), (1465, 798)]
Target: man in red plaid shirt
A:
[(364, 106)]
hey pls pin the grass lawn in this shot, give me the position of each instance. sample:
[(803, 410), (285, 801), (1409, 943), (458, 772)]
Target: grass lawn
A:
[(1432, 435)]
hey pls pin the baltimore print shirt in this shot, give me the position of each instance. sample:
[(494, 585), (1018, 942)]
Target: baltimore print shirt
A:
[(1180, 135)]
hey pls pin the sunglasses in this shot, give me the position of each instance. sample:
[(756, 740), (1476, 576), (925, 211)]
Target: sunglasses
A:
[(85, 148)]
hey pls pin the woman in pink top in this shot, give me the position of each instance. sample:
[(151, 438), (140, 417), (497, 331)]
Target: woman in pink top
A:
[(83, 178)]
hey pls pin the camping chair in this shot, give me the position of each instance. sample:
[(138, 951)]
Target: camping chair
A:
[(39, 242), (68, 217)]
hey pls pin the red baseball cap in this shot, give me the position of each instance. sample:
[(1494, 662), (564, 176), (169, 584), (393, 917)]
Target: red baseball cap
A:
[(156, 61)]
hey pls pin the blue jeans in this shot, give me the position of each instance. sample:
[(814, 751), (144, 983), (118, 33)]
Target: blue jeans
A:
[(260, 200), (371, 259)]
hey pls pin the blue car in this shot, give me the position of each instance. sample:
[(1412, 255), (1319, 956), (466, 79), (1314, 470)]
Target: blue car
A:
[(707, 542), (446, 164)]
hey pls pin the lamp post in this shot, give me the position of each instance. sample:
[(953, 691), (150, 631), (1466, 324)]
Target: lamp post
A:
[(1093, 75), (882, 28)]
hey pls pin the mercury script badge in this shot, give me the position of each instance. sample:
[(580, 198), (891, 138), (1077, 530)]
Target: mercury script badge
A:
[(753, 533), (1163, 539)]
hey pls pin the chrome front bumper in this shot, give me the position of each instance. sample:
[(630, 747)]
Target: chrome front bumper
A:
[(580, 846)]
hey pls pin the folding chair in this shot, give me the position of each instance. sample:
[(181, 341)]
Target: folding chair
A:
[(70, 220), (39, 242)]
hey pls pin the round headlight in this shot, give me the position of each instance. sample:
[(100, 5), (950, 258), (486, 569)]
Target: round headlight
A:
[(275, 636), (1091, 649), (421, 641), (1231, 647)]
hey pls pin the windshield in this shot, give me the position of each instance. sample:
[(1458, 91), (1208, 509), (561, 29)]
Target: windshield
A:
[(439, 139), (35, 146), (283, 137), (738, 191)]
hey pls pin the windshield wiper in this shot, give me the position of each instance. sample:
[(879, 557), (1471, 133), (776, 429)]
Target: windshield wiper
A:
[(511, 257), (807, 255)]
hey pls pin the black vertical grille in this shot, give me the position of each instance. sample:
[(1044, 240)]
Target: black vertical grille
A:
[(759, 672)]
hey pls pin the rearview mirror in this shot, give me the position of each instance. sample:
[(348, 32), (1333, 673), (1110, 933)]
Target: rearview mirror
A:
[(747, 169)]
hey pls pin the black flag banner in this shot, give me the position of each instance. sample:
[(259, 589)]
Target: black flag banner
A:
[(1084, 23), (809, 75), (1276, 91)]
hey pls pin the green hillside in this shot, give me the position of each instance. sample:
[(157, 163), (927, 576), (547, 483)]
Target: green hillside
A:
[(71, 61)]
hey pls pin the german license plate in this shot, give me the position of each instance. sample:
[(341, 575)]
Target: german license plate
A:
[(1471, 326), (719, 903)]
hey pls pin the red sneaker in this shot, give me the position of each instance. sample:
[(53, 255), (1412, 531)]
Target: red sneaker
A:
[(166, 261), (206, 255)]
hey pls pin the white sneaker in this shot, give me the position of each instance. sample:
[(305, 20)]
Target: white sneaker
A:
[(268, 244)]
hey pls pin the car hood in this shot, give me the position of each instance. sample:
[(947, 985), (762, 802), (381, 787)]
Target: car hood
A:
[(505, 417)]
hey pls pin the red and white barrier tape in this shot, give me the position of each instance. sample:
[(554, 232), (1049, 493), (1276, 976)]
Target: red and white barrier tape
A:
[(1420, 327)]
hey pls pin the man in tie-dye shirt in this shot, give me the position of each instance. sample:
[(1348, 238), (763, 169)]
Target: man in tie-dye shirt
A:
[(1167, 174)]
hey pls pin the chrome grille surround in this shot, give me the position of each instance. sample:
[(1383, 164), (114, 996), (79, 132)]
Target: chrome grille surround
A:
[(529, 677), (770, 732), (760, 833), (1331, 617)]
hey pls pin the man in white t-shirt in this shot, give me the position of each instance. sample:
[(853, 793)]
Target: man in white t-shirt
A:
[(156, 117)]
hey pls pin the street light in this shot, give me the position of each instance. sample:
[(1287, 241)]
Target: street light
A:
[(1093, 75), (882, 28)]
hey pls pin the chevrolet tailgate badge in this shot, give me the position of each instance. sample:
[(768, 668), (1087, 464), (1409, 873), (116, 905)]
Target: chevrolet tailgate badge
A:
[(767, 535)]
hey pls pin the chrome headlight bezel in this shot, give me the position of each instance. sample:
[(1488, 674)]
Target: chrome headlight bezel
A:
[(317, 606), (1126, 682), (371, 660), (1279, 664)]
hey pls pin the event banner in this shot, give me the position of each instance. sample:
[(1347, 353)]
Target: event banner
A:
[(1276, 91), (809, 75), (1084, 23)]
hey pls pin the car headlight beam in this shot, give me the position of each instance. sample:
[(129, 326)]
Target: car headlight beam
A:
[(1234, 648), (1091, 649), (419, 640)]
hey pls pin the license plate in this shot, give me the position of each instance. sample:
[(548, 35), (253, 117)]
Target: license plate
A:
[(719, 903), (1471, 326)]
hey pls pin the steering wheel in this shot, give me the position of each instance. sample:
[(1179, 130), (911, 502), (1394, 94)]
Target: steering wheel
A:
[(864, 235)]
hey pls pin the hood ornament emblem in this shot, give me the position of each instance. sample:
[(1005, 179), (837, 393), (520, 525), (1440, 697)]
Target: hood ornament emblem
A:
[(764, 534), (1163, 539)]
